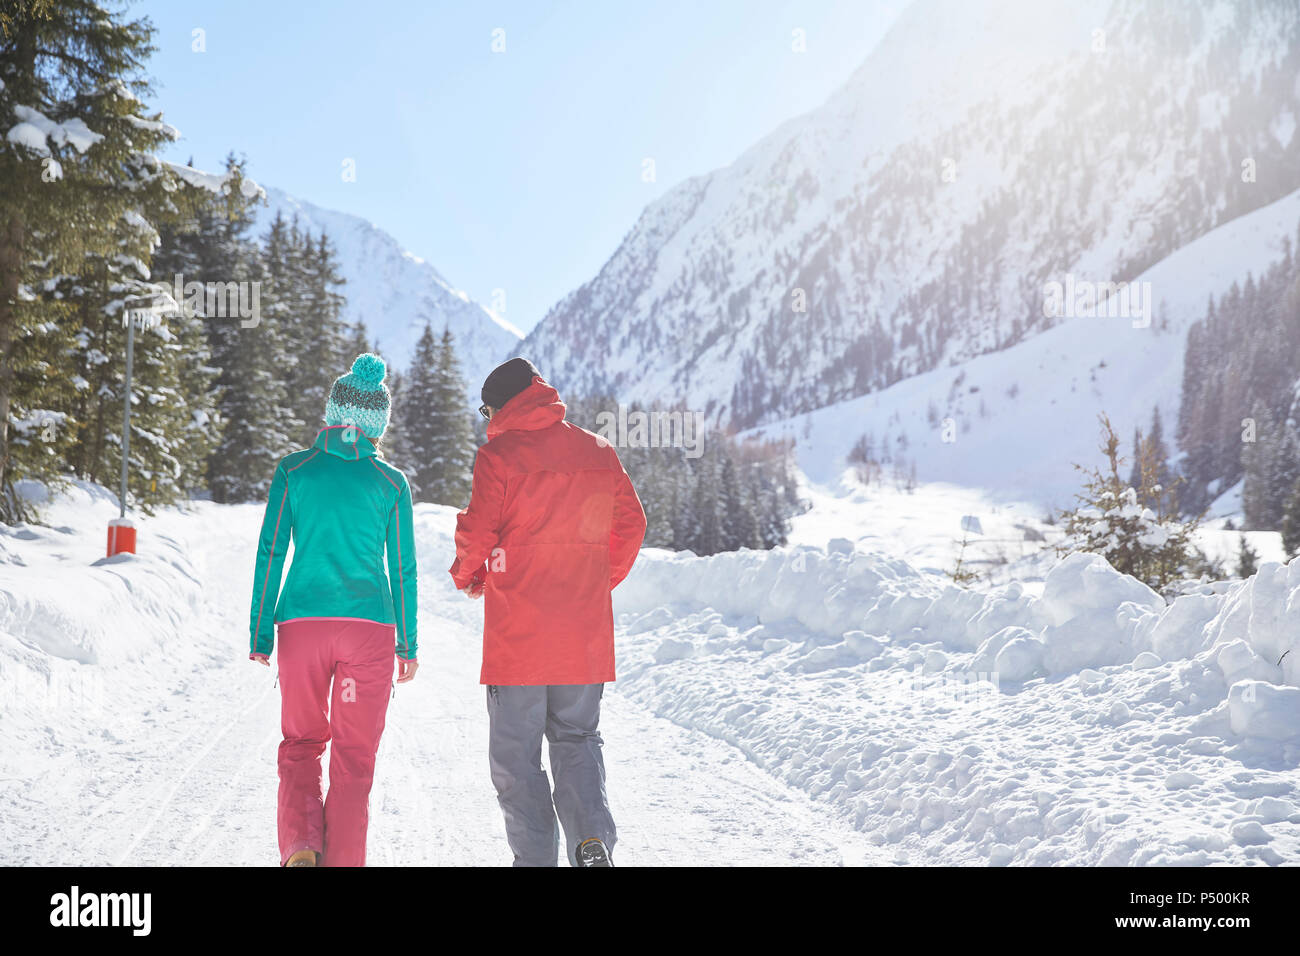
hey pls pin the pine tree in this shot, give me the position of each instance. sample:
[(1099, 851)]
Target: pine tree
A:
[(1272, 466), (447, 471), (419, 397), (394, 446), (1148, 541), (734, 495), (322, 336), (360, 341), (64, 197), (1135, 477), (173, 420), (1247, 558), (654, 484), (708, 536), (305, 306), (1291, 523), (1257, 461), (741, 523), (258, 424), (174, 262), (1149, 452), (160, 411), (1242, 361), (1285, 471)]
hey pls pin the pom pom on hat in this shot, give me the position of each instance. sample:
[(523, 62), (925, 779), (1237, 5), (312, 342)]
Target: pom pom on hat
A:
[(369, 368)]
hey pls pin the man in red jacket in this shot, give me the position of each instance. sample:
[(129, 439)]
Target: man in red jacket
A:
[(553, 525)]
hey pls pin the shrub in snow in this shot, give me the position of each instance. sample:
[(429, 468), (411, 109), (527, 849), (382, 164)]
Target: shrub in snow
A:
[(1290, 523), (1137, 529)]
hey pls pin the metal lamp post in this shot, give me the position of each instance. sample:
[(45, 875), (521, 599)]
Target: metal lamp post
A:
[(140, 309)]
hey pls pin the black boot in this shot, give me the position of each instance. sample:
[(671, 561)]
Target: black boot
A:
[(593, 853)]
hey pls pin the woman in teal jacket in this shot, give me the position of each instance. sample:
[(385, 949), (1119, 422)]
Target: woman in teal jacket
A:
[(341, 620)]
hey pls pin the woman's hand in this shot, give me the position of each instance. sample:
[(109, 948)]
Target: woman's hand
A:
[(261, 659), (474, 589), (406, 670)]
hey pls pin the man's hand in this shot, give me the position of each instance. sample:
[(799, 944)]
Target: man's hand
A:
[(474, 589), (406, 670), (261, 659)]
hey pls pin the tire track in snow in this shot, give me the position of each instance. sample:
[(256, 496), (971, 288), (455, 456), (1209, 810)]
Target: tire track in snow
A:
[(230, 790), (216, 567), (180, 778)]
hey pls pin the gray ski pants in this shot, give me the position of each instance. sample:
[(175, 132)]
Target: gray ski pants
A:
[(568, 715)]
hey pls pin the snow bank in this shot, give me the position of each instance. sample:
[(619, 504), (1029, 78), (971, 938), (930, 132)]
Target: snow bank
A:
[(1088, 615), (59, 595), (780, 585), (1095, 723)]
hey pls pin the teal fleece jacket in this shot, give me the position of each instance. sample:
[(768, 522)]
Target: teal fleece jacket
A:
[(344, 509)]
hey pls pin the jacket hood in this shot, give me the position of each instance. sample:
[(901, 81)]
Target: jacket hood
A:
[(344, 441), (535, 407)]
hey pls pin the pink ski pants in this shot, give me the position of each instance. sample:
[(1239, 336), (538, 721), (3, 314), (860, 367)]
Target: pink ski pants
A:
[(356, 657)]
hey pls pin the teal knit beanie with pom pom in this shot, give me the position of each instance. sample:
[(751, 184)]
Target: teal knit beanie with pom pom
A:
[(360, 397)]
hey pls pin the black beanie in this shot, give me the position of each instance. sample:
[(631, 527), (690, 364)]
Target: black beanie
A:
[(508, 380)]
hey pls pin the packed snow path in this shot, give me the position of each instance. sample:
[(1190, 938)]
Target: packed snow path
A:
[(805, 705), (181, 771)]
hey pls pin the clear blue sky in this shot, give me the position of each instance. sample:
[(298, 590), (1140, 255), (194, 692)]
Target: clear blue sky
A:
[(518, 170)]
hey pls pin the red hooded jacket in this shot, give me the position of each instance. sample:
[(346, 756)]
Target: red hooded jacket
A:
[(553, 524)]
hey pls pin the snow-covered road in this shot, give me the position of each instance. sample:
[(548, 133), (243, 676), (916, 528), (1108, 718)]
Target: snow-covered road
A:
[(176, 766)]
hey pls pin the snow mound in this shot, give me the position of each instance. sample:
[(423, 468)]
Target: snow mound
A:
[(1093, 724), (1259, 709), (1089, 614), (90, 609)]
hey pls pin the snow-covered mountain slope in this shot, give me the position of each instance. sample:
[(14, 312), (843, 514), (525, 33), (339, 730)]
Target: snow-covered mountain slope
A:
[(983, 150), (1020, 418), (396, 292)]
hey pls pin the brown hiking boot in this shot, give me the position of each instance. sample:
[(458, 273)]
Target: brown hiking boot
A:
[(302, 858)]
